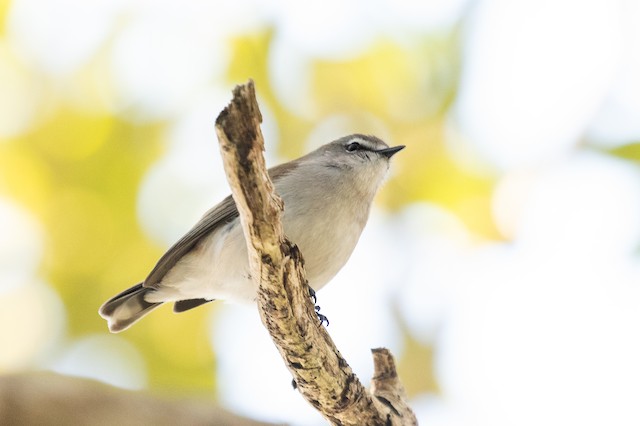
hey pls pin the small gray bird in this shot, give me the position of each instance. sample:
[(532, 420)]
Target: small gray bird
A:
[(327, 196)]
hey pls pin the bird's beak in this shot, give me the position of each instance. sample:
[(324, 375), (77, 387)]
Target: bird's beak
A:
[(389, 152)]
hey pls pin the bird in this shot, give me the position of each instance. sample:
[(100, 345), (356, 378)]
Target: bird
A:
[(327, 197)]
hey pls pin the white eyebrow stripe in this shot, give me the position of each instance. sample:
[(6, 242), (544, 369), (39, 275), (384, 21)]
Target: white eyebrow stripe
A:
[(364, 142)]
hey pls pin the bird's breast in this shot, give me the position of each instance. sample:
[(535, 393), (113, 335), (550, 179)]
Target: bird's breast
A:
[(326, 234)]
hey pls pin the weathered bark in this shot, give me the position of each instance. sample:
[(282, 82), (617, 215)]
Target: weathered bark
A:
[(50, 399), (322, 375)]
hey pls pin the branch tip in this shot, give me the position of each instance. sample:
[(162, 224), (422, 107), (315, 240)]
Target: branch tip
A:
[(384, 365)]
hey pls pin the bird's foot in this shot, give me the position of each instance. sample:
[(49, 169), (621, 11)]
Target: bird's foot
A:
[(312, 295), (321, 317)]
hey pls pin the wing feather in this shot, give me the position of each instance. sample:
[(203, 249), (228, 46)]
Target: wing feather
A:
[(222, 213)]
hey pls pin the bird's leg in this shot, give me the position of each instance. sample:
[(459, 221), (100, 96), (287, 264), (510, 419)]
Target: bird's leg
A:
[(322, 318), (312, 294)]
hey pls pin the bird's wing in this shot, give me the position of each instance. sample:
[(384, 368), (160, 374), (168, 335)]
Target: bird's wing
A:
[(222, 213)]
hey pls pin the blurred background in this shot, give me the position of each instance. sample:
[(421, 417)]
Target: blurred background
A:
[(500, 264)]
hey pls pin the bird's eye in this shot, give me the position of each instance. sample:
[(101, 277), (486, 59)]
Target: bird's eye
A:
[(353, 146)]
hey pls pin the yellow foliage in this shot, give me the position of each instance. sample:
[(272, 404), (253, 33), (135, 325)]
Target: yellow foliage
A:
[(79, 169), (25, 177), (4, 8)]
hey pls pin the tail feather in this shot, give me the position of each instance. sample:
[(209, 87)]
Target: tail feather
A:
[(185, 305), (124, 309)]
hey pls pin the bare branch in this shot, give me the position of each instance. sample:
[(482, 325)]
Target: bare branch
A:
[(387, 388), (323, 377), (44, 398)]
